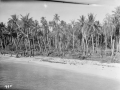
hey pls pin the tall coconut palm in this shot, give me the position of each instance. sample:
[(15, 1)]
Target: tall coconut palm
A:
[(108, 30), (52, 34), (12, 23), (81, 24), (94, 30), (27, 33), (56, 20), (73, 33), (91, 28), (63, 35), (36, 30), (45, 28), (83, 29)]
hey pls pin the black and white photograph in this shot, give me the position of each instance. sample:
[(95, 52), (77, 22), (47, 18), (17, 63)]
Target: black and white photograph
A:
[(59, 44)]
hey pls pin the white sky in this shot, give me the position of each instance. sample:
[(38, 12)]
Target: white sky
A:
[(66, 12)]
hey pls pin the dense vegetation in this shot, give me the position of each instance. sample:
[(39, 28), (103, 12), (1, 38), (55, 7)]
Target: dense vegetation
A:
[(84, 38)]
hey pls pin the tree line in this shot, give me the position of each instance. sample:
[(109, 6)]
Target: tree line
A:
[(83, 38)]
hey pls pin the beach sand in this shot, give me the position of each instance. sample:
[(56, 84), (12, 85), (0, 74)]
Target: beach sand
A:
[(107, 70)]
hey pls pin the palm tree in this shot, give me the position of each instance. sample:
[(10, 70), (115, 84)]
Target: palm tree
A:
[(81, 24), (108, 30), (83, 29), (56, 20), (91, 28), (63, 33), (45, 28), (2, 26), (69, 37), (62, 36), (39, 35), (36, 34), (14, 30), (27, 32), (51, 34), (73, 33), (116, 19)]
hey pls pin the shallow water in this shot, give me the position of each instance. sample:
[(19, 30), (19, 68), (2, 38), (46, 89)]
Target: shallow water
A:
[(28, 76)]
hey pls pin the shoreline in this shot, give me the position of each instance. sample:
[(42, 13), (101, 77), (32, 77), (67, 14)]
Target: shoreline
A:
[(95, 68)]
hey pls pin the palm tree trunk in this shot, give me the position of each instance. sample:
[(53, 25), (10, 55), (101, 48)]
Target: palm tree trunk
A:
[(39, 45), (16, 47), (29, 47), (1, 42), (26, 50), (119, 45), (83, 46), (86, 46), (96, 46), (25, 47), (73, 40), (113, 43), (117, 42), (105, 45), (60, 45), (93, 43), (56, 43), (33, 46)]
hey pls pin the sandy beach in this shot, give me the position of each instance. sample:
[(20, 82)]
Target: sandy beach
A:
[(94, 68)]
